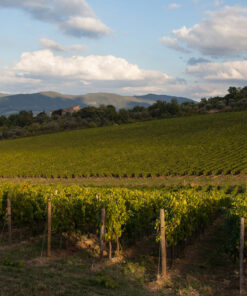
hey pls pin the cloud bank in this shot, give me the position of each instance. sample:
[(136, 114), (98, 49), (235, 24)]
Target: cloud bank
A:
[(43, 70), (72, 17), (221, 33), (46, 70), (228, 72)]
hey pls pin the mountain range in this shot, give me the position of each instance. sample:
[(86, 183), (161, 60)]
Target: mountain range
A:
[(47, 101)]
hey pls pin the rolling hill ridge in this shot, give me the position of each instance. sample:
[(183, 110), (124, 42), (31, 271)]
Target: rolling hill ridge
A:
[(47, 101)]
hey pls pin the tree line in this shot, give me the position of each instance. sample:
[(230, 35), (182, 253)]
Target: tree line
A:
[(26, 124)]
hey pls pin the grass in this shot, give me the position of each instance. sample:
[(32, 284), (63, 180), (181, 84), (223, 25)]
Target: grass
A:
[(66, 273), (210, 145), (204, 270)]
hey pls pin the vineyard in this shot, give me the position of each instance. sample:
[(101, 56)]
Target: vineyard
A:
[(130, 216), (130, 213), (199, 145)]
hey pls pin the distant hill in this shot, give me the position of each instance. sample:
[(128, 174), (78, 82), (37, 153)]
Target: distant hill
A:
[(166, 98), (47, 101), (37, 102)]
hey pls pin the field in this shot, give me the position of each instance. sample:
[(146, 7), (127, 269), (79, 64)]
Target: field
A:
[(132, 171), (200, 145), (201, 230)]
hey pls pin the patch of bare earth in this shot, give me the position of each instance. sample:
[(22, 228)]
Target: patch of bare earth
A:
[(205, 269)]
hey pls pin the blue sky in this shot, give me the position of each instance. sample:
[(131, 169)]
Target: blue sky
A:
[(192, 48)]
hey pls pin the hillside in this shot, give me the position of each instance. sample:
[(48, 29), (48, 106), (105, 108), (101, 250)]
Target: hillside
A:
[(37, 102), (47, 101), (209, 144), (154, 98)]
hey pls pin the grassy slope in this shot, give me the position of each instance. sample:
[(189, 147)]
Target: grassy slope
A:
[(193, 145)]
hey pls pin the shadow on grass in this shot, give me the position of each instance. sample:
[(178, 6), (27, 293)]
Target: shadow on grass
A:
[(205, 270), (68, 272)]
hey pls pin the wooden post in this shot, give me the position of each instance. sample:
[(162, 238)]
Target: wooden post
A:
[(241, 257), (9, 221), (49, 229), (118, 247), (163, 243), (110, 250), (102, 232)]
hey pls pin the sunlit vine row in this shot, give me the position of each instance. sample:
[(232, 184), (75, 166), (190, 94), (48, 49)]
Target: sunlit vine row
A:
[(130, 213)]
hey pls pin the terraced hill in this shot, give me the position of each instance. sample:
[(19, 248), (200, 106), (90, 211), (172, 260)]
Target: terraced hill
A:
[(206, 144)]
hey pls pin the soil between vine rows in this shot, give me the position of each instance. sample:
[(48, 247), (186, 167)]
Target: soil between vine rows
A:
[(213, 180)]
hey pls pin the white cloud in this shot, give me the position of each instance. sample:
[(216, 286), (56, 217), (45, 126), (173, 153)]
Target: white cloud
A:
[(74, 17), (222, 33), (84, 26), (233, 71), (194, 91), (12, 82), (50, 44), (43, 70), (174, 6), (44, 63), (55, 46), (173, 44)]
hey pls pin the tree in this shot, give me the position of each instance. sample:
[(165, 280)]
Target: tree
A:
[(233, 91), (173, 107), (23, 118), (3, 120), (42, 117), (123, 115)]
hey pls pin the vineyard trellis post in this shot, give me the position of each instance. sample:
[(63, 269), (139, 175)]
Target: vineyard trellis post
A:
[(241, 257), (102, 232), (49, 228), (110, 250), (163, 243), (9, 220), (118, 246)]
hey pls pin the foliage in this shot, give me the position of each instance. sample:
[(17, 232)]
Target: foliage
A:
[(130, 214), (237, 210)]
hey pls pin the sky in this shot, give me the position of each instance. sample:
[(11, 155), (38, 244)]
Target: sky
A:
[(190, 48)]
